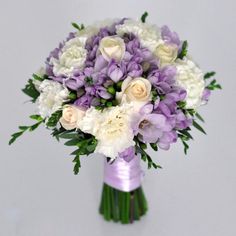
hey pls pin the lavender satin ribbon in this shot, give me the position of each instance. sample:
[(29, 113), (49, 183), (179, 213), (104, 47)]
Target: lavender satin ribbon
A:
[(123, 175)]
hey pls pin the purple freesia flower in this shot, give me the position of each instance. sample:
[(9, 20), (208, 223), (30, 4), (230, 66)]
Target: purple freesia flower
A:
[(169, 36), (206, 94), (182, 121), (150, 126), (134, 69), (116, 70), (128, 154), (166, 139), (102, 92), (163, 79), (84, 101)]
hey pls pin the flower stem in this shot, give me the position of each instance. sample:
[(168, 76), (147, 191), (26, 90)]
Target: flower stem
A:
[(124, 207)]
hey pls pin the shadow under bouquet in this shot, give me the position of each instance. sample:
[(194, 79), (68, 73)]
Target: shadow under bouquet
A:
[(115, 88)]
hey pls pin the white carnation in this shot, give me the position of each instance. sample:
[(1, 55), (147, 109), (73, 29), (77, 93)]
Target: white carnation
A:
[(111, 127), (71, 57), (149, 35), (191, 78), (52, 96)]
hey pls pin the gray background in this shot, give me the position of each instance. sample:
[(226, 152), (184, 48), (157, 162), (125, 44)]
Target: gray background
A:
[(191, 196)]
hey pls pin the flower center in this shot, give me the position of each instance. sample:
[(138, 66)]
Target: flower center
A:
[(143, 124)]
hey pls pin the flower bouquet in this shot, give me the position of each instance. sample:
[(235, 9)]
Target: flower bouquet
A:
[(115, 88)]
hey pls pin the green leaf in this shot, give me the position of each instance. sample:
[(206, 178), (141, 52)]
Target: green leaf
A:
[(144, 16), (197, 126), (185, 134), (36, 117), (154, 146), (72, 142), (25, 128), (209, 75), (34, 127), (213, 85), (69, 135), (184, 50), (78, 27), (15, 136), (143, 145), (37, 77), (77, 164), (186, 147), (145, 157), (31, 91), (181, 104), (54, 118), (199, 117)]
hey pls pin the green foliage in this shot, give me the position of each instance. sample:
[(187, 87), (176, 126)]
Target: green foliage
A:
[(23, 129), (184, 50), (213, 85), (37, 77), (154, 146), (85, 143), (89, 80), (185, 136), (78, 27), (31, 91), (198, 127), (144, 16), (209, 75), (154, 95), (54, 118), (145, 157), (197, 115)]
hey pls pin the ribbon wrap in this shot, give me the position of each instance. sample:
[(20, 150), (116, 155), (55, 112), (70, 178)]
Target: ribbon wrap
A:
[(122, 175)]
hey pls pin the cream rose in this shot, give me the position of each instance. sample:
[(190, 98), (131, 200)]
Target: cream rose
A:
[(71, 117), (166, 53), (112, 47), (136, 90)]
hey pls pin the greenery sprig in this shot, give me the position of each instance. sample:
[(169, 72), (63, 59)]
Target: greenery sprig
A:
[(212, 85), (184, 50), (85, 144), (144, 17), (77, 26), (30, 128), (140, 148)]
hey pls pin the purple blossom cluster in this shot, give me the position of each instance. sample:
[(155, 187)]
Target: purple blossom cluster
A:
[(159, 120)]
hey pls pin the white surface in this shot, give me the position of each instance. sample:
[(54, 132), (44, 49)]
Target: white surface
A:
[(191, 196)]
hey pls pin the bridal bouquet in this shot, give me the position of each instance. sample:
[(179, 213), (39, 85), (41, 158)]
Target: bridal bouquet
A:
[(115, 88)]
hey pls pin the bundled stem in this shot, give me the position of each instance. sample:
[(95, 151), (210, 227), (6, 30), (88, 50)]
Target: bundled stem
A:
[(124, 207)]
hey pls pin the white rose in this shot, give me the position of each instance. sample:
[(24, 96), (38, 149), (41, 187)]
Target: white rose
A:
[(112, 47), (71, 57), (149, 35), (71, 117), (166, 53), (137, 91), (111, 128), (52, 95), (191, 78)]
